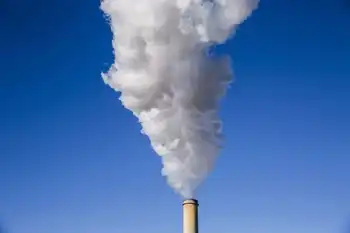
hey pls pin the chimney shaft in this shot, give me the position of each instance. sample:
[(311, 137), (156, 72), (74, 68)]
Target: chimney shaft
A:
[(190, 216)]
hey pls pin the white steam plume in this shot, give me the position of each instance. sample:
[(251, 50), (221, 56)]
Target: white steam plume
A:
[(169, 82)]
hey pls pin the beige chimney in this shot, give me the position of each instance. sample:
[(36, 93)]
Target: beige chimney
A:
[(190, 216)]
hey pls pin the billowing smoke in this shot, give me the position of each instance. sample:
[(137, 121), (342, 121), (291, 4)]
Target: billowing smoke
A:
[(168, 79)]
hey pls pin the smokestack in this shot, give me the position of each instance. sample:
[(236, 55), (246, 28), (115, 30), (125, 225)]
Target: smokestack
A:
[(190, 216)]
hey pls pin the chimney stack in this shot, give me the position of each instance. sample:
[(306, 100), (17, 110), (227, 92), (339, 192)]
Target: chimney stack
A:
[(190, 216)]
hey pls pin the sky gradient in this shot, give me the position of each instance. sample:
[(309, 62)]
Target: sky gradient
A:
[(72, 159)]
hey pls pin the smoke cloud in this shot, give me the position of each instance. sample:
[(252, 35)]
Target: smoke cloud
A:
[(169, 81)]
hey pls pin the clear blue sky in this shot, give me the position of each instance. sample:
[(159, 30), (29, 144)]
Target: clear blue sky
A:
[(72, 159)]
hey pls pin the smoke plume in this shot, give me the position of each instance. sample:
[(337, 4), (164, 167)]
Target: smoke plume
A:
[(169, 81)]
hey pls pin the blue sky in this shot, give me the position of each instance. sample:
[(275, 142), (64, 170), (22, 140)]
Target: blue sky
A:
[(72, 159)]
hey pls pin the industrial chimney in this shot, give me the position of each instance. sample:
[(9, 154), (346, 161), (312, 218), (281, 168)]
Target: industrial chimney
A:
[(190, 216)]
